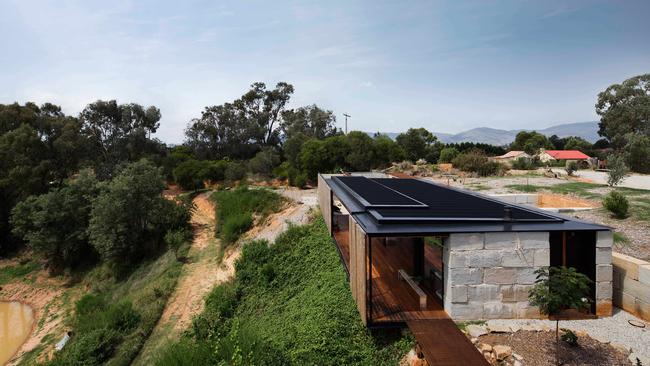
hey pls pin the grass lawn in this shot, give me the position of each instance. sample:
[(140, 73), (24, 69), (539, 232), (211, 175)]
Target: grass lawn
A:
[(526, 188), (290, 303), (11, 272)]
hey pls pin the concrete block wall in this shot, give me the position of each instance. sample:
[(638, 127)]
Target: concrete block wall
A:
[(631, 285), (604, 273), (488, 275)]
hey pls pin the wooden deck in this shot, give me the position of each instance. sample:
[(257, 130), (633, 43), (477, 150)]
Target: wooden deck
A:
[(393, 300), (443, 344)]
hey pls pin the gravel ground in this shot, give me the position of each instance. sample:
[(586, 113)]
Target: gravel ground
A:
[(614, 329)]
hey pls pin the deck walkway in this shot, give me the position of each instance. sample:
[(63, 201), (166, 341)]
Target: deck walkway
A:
[(443, 344)]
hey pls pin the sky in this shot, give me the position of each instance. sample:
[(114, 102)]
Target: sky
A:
[(447, 66)]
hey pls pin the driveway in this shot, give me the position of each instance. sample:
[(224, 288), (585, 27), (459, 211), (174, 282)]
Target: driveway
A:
[(638, 181)]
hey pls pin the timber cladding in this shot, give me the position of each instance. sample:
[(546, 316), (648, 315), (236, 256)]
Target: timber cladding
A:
[(358, 266), (325, 201)]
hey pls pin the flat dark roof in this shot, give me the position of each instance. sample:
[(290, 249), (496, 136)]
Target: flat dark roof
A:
[(398, 206)]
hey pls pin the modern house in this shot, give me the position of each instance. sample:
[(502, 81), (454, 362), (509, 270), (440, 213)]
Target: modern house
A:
[(417, 250), (553, 155), (511, 156)]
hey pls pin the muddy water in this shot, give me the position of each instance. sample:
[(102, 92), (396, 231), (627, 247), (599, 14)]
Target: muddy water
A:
[(16, 321)]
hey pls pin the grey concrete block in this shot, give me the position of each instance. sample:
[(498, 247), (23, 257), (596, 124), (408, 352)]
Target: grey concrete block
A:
[(459, 294), (603, 255), (604, 273), (526, 276), (517, 258), (469, 311), (542, 258), (527, 311), (507, 293), (458, 259), (604, 239), (498, 310), (500, 240), (644, 274), (533, 240), (482, 293), (500, 275), (604, 290), (484, 258), (521, 292), (469, 241), (465, 276)]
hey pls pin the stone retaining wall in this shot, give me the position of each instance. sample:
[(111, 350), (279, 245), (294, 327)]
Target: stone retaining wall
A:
[(489, 275), (632, 285)]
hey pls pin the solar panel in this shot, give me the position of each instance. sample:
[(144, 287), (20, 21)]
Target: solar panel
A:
[(373, 194), (447, 204)]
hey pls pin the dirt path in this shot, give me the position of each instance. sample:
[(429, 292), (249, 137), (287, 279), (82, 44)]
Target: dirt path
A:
[(200, 274)]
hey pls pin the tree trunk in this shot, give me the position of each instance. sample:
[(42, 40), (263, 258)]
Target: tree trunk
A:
[(557, 341)]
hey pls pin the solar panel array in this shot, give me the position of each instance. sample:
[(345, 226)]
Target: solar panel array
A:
[(398, 200)]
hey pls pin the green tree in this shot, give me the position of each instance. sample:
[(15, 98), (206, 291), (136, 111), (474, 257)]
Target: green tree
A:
[(617, 169), (558, 289), (118, 133), (530, 142), (54, 224), (314, 158), (264, 161), (578, 143), (387, 150), (625, 109), (418, 143), (637, 151), (188, 175), (263, 108), (361, 155), (130, 217), (310, 121), (447, 154)]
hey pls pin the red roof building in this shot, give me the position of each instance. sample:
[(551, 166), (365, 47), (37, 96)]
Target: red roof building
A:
[(546, 155)]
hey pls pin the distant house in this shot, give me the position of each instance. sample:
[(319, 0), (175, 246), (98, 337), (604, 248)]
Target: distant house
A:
[(553, 155), (511, 156)]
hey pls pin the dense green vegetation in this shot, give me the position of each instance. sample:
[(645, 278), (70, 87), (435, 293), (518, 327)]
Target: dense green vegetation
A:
[(289, 304), (237, 208), (112, 322), (19, 270)]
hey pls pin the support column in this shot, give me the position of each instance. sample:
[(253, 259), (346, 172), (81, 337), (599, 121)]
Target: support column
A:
[(418, 257)]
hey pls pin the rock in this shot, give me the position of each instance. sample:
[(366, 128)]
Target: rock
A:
[(621, 347), (499, 328), (517, 363), (476, 331), (644, 360), (600, 339), (502, 352), (532, 327), (518, 357), (474, 340), (515, 327), (580, 333), (484, 347)]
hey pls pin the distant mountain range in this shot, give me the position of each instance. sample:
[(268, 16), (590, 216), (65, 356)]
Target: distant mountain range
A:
[(493, 136)]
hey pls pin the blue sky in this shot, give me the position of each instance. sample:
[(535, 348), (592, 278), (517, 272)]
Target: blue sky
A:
[(444, 65)]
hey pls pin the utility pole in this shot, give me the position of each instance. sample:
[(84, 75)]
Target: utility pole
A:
[(346, 122)]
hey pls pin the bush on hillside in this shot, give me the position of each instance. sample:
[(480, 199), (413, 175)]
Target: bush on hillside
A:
[(476, 161), (235, 171), (235, 209), (264, 161), (55, 224), (187, 175), (617, 204), (272, 314)]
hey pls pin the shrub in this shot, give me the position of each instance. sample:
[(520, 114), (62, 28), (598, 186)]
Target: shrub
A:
[(187, 175), (447, 155), (524, 164), (213, 171), (235, 209), (235, 171), (298, 179), (617, 204), (617, 169), (175, 240), (569, 337), (55, 224), (92, 348), (475, 161), (571, 167), (264, 161)]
